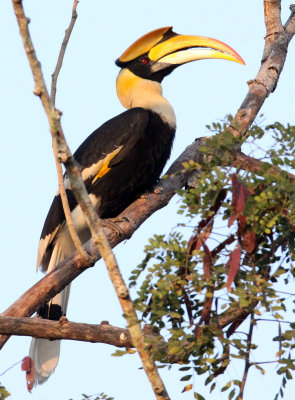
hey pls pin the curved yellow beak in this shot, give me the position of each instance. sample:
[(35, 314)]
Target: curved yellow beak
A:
[(182, 49)]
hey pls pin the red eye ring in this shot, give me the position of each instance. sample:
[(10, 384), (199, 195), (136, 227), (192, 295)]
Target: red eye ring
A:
[(145, 60)]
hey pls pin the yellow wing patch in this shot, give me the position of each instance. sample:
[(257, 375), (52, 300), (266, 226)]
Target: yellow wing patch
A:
[(104, 166)]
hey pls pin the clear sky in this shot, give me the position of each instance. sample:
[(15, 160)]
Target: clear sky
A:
[(200, 93)]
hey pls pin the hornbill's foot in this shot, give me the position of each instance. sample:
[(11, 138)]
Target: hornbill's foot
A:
[(112, 224)]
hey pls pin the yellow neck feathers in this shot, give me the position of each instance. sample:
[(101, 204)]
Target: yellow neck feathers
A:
[(134, 91)]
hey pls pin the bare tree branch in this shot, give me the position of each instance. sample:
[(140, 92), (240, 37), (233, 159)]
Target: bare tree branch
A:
[(64, 329), (62, 191), (61, 55), (53, 116), (65, 204), (248, 163), (90, 214), (274, 55)]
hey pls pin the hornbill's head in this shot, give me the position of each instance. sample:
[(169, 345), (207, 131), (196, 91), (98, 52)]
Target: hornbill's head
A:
[(156, 54)]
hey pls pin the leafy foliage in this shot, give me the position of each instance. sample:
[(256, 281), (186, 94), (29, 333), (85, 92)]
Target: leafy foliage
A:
[(199, 290)]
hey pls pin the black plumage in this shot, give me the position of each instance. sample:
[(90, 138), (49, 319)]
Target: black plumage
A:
[(146, 142)]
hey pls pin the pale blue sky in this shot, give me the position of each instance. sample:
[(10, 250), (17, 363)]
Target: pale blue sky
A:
[(200, 93)]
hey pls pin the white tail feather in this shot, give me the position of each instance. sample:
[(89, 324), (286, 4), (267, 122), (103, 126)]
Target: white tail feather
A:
[(45, 353)]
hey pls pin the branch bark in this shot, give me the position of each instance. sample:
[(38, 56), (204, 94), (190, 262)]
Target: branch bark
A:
[(64, 329), (277, 40)]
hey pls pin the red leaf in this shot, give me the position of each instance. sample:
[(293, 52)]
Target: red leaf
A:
[(207, 262), (242, 222), (232, 219), (249, 241), (28, 366), (243, 195), (203, 236), (198, 331), (234, 265), (239, 197)]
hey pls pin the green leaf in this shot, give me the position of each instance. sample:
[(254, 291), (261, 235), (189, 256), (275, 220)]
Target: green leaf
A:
[(119, 353), (212, 387), (186, 378), (198, 396), (4, 393), (226, 387), (231, 394)]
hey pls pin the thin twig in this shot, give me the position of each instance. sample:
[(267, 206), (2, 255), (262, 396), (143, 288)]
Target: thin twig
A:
[(62, 191), (247, 361), (68, 33), (270, 362), (9, 368), (65, 204)]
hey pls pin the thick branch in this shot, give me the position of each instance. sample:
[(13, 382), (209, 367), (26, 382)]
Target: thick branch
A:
[(248, 163), (273, 60), (64, 329)]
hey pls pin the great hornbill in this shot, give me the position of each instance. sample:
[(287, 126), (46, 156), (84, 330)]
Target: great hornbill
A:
[(123, 158)]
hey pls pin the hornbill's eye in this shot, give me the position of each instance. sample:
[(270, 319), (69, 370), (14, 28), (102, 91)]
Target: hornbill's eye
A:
[(145, 60)]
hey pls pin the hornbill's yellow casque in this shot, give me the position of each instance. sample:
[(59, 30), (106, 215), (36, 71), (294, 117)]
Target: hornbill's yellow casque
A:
[(123, 158)]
